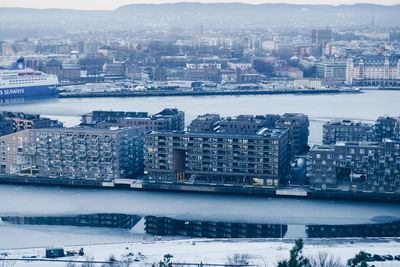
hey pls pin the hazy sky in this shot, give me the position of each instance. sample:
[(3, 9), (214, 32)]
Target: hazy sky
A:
[(112, 4)]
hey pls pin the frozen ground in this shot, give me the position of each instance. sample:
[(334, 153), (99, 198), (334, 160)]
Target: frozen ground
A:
[(262, 252)]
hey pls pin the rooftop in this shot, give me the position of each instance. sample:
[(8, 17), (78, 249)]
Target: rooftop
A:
[(264, 132)]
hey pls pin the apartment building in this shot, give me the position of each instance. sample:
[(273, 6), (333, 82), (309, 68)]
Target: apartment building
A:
[(212, 157), (6, 126), (364, 166), (351, 131), (76, 153), (22, 121), (298, 125), (248, 124), (167, 119), (332, 70), (205, 123), (347, 131), (385, 127)]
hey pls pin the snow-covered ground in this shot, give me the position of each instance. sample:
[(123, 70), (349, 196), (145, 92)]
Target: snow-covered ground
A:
[(262, 252)]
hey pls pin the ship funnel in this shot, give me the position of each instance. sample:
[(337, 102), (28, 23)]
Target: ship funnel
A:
[(18, 65)]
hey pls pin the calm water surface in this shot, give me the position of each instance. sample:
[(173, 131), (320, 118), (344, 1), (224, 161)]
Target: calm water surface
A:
[(366, 106)]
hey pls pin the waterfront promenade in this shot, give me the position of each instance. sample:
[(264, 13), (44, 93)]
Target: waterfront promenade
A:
[(302, 192), (158, 93)]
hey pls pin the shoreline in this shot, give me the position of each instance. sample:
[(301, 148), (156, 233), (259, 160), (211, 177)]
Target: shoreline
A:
[(236, 190), (204, 93)]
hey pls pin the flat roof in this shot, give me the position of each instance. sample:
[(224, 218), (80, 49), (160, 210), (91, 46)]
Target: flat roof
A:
[(264, 132)]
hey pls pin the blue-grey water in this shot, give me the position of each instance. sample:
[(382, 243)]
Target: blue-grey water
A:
[(366, 106), (17, 200)]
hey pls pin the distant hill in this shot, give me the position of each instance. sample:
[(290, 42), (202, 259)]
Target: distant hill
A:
[(210, 15)]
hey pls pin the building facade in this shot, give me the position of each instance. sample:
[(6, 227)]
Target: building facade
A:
[(385, 127), (75, 153), (167, 119), (247, 123), (261, 158), (6, 126), (363, 166), (347, 131), (298, 125), (205, 123), (332, 70), (373, 71), (351, 131), (22, 121)]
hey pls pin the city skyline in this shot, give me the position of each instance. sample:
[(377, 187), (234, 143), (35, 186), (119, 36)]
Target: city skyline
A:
[(110, 5)]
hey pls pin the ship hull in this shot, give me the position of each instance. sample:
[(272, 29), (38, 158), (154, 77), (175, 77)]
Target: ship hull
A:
[(41, 90)]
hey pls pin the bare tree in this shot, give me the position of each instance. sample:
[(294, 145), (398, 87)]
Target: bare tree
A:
[(88, 263), (70, 264), (6, 263), (238, 260), (323, 259)]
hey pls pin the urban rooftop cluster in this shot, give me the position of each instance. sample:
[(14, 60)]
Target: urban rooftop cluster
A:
[(201, 59)]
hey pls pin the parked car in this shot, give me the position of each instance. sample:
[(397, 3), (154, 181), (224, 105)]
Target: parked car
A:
[(397, 257), (388, 257), (378, 257), (369, 258)]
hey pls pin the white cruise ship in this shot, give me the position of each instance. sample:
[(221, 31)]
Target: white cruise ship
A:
[(17, 81)]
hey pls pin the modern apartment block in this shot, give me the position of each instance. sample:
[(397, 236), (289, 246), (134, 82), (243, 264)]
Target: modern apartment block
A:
[(76, 153), (347, 131), (298, 125), (22, 121), (248, 124), (385, 127), (205, 123), (351, 131), (6, 126), (261, 158), (332, 70), (365, 166), (167, 119)]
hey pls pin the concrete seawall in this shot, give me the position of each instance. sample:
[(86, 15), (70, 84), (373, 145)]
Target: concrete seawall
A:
[(202, 93), (282, 192)]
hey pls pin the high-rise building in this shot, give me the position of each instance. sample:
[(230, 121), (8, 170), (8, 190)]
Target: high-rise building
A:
[(321, 37)]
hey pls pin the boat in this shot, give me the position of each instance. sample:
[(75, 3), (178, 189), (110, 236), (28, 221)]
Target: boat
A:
[(19, 81)]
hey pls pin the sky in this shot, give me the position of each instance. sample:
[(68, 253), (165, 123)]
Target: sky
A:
[(113, 4)]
